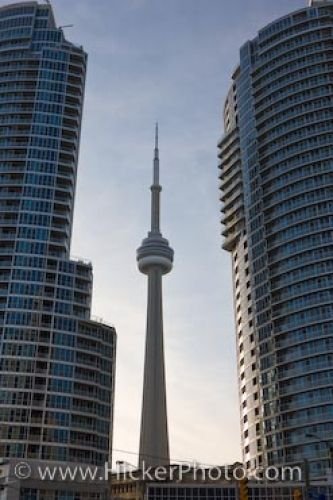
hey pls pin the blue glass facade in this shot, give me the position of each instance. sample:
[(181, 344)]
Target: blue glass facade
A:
[(56, 365), (277, 192)]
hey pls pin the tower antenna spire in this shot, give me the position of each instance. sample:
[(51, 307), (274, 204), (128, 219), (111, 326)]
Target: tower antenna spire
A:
[(156, 177), (155, 189), (156, 136)]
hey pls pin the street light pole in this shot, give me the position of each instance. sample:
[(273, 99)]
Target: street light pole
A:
[(307, 484)]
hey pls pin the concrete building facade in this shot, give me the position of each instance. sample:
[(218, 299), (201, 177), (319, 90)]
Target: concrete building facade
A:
[(196, 485)]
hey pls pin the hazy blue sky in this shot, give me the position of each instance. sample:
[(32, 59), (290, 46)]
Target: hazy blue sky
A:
[(169, 60)]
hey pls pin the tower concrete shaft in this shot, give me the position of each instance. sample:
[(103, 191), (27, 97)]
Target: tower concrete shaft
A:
[(155, 258)]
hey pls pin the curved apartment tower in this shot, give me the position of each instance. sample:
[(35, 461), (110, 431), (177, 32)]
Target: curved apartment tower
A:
[(277, 191), (56, 365)]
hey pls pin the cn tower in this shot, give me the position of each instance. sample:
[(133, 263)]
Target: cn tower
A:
[(155, 258)]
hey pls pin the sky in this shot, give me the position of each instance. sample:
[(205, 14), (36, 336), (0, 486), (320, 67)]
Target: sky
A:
[(171, 61)]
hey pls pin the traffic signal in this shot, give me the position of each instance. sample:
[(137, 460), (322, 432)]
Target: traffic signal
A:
[(243, 489), (297, 495)]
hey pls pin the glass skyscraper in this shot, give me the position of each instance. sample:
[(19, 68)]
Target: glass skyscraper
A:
[(56, 365), (276, 175)]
